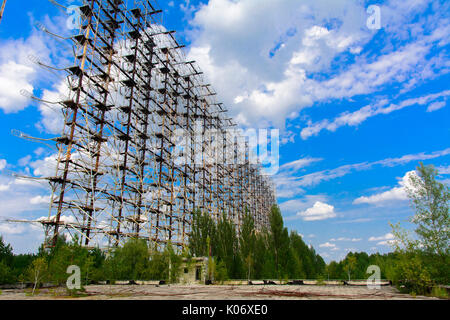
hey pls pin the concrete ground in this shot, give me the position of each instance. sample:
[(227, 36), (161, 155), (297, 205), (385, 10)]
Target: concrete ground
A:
[(215, 292)]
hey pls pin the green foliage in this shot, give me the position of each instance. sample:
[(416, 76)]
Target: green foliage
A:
[(64, 255), (221, 273), (6, 275), (130, 262), (38, 273), (412, 274), (279, 238), (350, 264), (430, 199), (202, 227), (423, 257), (6, 254), (226, 246), (439, 292), (12, 266), (6, 262), (264, 254), (247, 242), (174, 262)]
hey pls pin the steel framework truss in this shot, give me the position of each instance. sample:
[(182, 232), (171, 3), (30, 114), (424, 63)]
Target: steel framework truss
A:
[(118, 172)]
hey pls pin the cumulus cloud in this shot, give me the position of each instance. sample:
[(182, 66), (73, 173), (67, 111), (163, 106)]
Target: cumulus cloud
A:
[(394, 194), (17, 72), (262, 74), (9, 229), (267, 75), (52, 117), (295, 205), (40, 200), (319, 211)]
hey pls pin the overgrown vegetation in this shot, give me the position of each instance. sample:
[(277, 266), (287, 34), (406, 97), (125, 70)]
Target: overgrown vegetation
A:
[(420, 262), (268, 254), (249, 254), (418, 265)]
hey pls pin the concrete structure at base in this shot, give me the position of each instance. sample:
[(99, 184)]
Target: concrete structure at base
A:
[(194, 271)]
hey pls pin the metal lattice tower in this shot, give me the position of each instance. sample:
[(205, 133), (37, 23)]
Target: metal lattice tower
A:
[(117, 175)]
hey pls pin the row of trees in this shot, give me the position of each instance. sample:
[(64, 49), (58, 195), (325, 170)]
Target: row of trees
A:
[(420, 259), (270, 254), (134, 261)]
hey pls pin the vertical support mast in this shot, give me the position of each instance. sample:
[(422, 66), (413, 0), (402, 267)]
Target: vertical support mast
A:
[(117, 174)]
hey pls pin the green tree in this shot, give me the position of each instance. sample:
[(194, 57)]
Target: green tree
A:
[(247, 243), (279, 241), (64, 255), (226, 246), (131, 261), (6, 263), (430, 199), (202, 227), (6, 252), (350, 264), (424, 254), (173, 262), (38, 272)]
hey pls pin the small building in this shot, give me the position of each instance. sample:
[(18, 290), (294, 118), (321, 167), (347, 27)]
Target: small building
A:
[(194, 270)]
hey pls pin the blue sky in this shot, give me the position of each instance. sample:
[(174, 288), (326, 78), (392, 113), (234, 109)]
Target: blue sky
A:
[(357, 107)]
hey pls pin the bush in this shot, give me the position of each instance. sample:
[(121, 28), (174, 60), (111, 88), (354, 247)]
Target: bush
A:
[(413, 275), (221, 273), (6, 274), (439, 292)]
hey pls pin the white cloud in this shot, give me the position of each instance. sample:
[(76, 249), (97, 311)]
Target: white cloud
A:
[(52, 117), (7, 228), (294, 185), (357, 117), (319, 211), (386, 243), (295, 205), (299, 164), (24, 161), (17, 72), (257, 52), (40, 200), (345, 239), (436, 106), (14, 77), (4, 187), (262, 55), (2, 164), (443, 170), (394, 194), (327, 245), (387, 236), (44, 167)]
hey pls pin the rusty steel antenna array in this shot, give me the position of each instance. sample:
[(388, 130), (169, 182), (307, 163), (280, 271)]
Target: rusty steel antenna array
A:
[(117, 175)]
